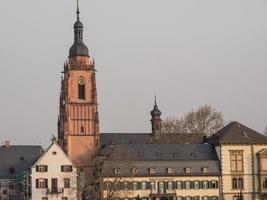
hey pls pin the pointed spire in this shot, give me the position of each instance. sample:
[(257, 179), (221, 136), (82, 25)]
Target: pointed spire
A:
[(155, 99), (78, 10)]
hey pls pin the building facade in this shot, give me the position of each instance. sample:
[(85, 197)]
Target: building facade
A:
[(54, 176), (242, 154)]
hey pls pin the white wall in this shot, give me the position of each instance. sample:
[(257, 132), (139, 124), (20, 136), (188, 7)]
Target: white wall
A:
[(54, 163)]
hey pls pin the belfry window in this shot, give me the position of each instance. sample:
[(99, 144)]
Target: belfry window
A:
[(81, 88)]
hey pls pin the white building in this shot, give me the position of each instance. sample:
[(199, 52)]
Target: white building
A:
[(53, 176)]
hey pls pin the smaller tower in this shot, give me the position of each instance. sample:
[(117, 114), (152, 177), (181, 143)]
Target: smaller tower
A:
[(156, 120)]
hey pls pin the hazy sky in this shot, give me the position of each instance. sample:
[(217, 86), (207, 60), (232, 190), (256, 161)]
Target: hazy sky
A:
[(191, 52)]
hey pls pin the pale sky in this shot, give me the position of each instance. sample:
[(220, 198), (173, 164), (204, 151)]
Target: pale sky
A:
[(191, 52)]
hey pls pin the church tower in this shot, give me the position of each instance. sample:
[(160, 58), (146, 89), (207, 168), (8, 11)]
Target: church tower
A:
[(78, 122), (156, 120)]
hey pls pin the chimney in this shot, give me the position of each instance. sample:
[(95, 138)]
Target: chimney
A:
[(7, 144)]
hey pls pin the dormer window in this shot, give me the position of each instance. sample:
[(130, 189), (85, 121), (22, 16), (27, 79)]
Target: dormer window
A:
[(169, 170), (140, 154), (116, 170), (151, 170), (205, 170), (187, 170), (134, 170)]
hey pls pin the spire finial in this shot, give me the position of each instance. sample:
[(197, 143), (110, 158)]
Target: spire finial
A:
[(155, 98), (78, 10)]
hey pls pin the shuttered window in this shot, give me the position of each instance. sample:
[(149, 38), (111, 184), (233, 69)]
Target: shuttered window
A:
[(41, 183), (41, 168)]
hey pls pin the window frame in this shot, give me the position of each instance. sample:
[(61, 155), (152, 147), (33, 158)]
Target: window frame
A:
[(235, 161)]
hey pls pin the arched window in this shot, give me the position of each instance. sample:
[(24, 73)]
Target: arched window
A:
[(82, 130), (81, 88)]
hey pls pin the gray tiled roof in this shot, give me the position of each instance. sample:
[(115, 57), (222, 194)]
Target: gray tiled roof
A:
[(148, 138), (162, 152), (237, 133), (160, 157), (20, 158)]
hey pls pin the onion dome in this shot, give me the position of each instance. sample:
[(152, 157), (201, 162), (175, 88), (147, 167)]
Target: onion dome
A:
[(155, 112), (78, 48)]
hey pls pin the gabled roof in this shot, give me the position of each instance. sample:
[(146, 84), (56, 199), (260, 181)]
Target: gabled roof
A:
[(54, 143), (15, 159), (237, 133)]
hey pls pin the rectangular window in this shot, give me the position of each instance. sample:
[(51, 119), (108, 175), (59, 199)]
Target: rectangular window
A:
[(143, 186), (205, 184), (41, 183), (196, 185), (264, 183), (170, 185), (66, 168), (41, 168), (213, 184), (44, 198), (153, 185), (81, 91), (236, 161), (64, 198), (188, 185), (66, 183), (10, 186), (161, 187), (179, 185), (134, 185), (237, 183)]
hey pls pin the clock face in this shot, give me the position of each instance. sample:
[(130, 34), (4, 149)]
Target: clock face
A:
[(81, 81)]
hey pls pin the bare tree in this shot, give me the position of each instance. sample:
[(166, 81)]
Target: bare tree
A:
[(265, 131), (96, 183), (205, 120)]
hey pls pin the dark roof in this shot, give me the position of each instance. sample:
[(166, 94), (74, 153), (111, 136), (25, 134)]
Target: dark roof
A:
[(161, 152), (16, 159), (160, 167), (124, 138), (237, 133), (148, 138), (78, 49), (160, 157)]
